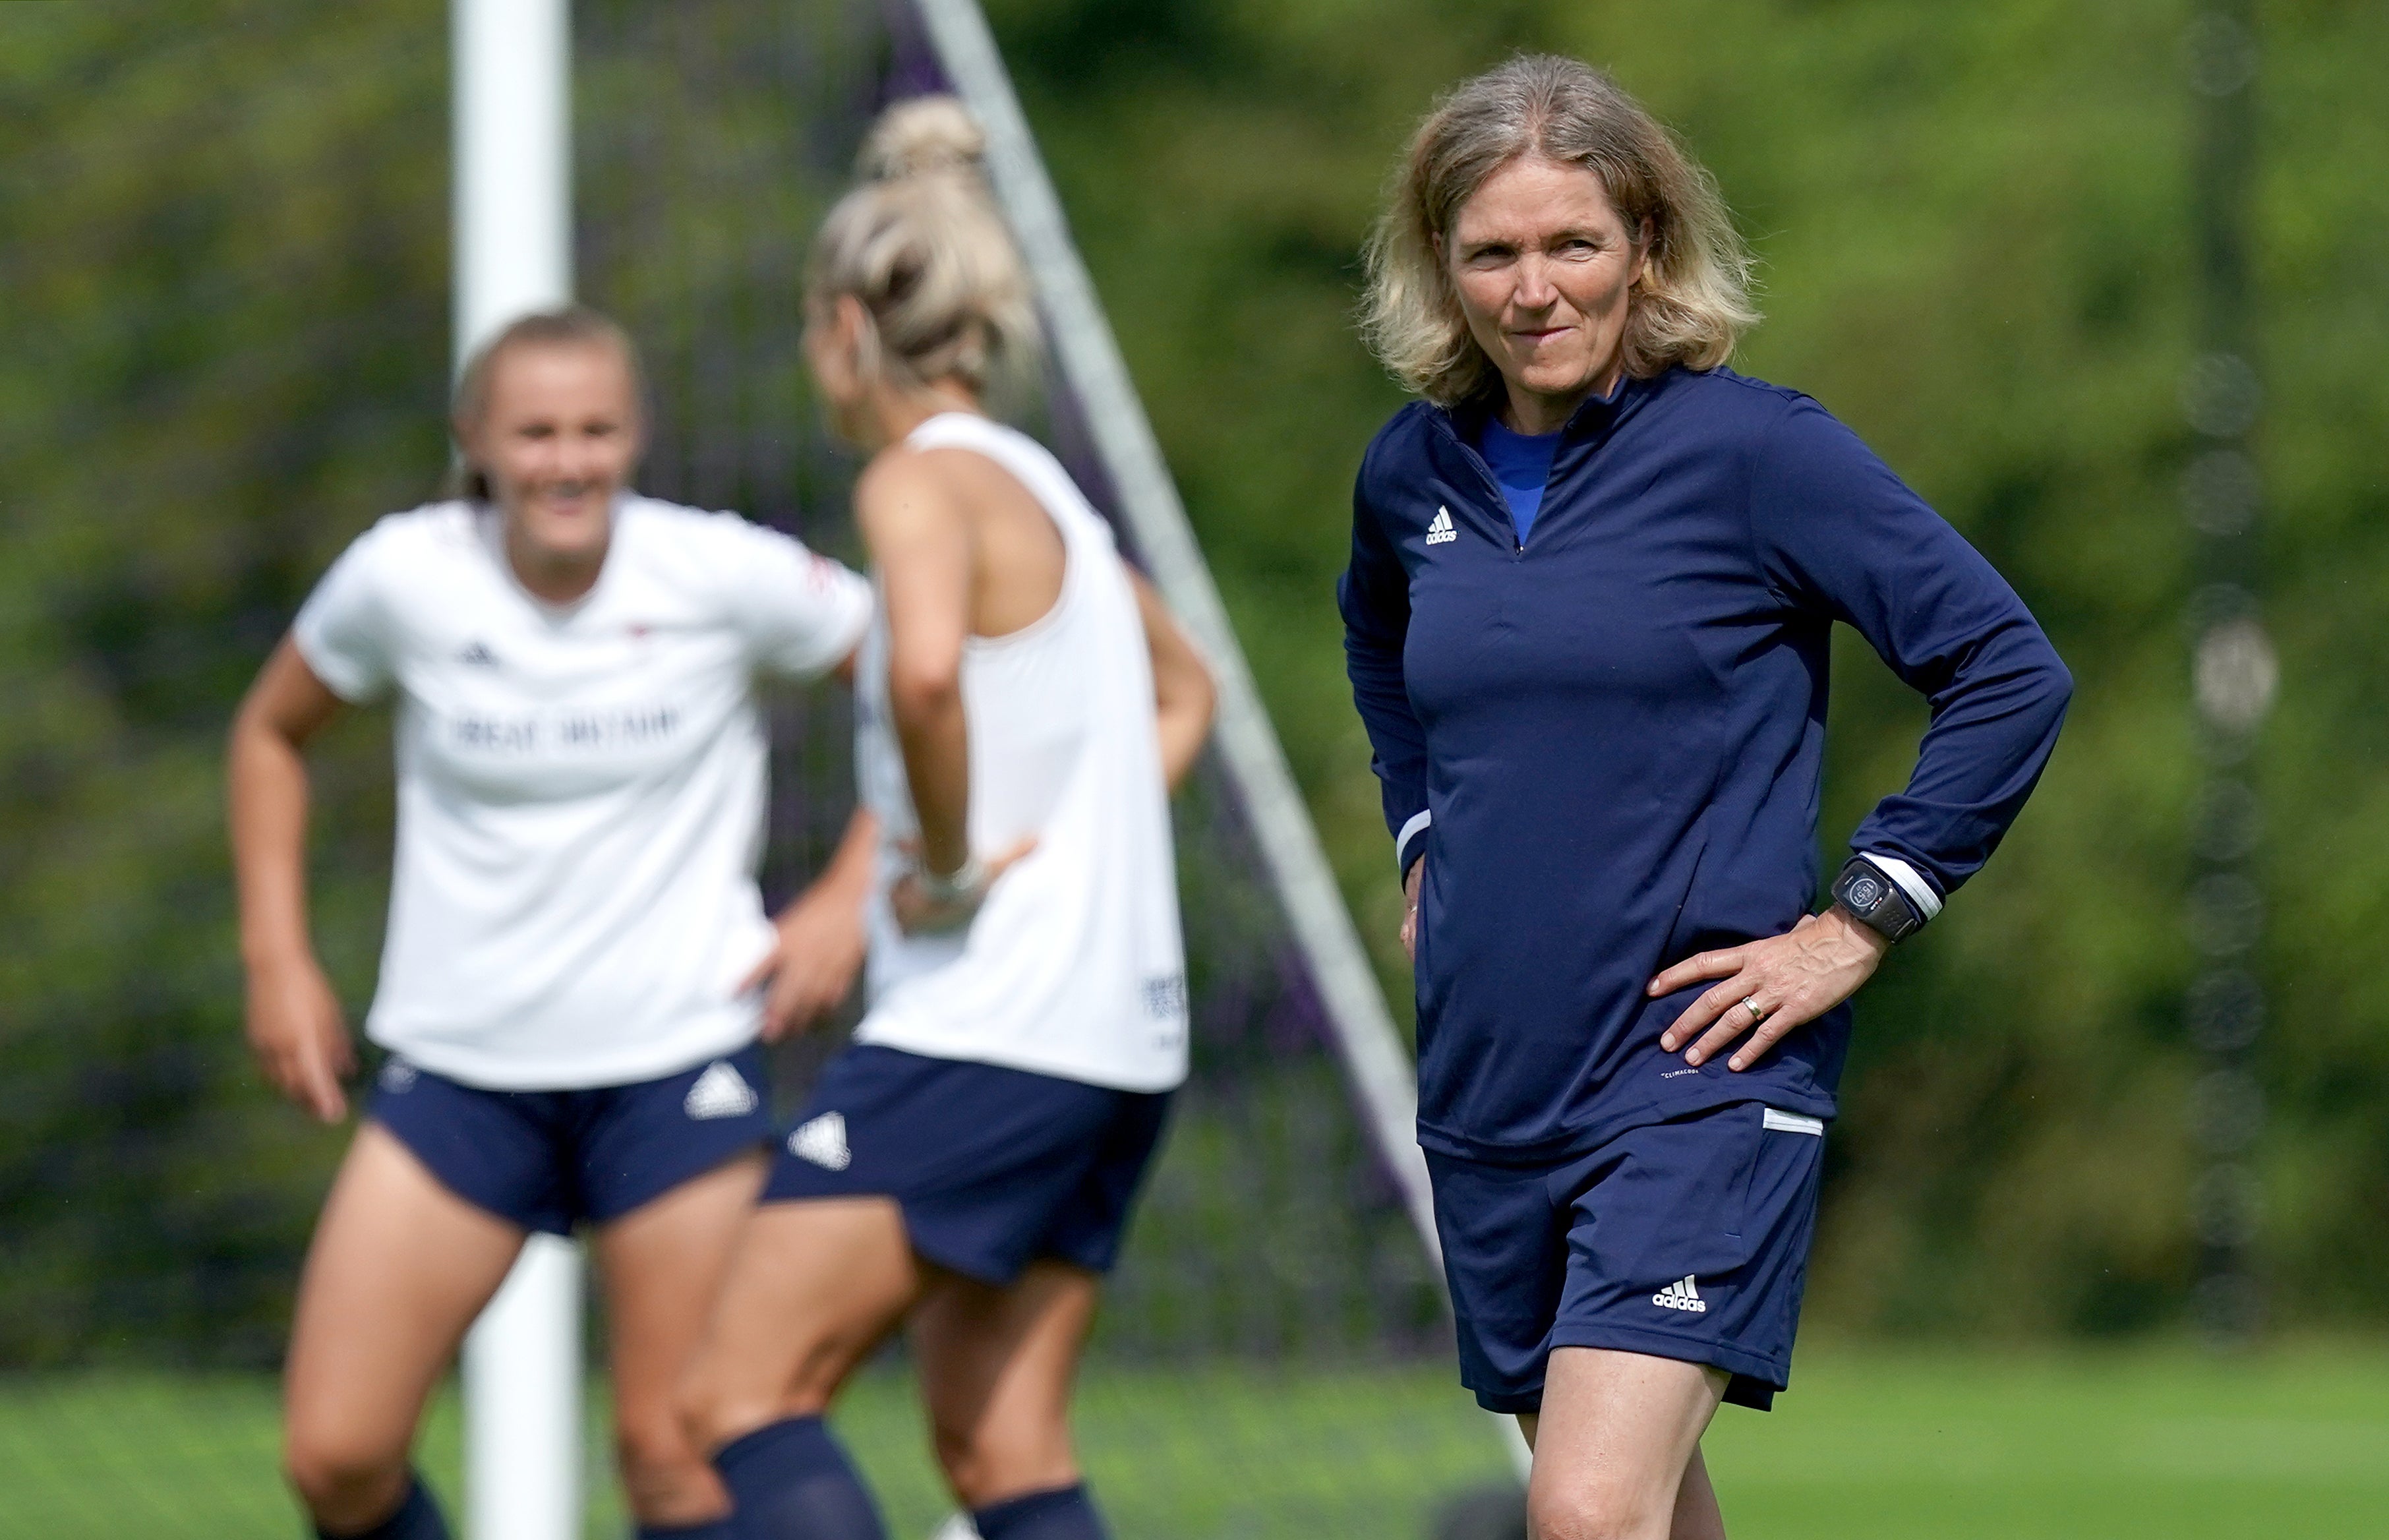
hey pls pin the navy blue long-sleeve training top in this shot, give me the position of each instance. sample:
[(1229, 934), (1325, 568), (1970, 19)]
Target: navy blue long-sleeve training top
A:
[(1606, 740)]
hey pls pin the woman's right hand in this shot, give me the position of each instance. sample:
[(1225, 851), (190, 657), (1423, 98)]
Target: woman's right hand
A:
[(299, 1036), (1410, 909)]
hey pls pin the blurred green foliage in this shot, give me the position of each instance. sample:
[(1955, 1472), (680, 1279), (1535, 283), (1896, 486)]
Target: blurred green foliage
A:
[(224, 272)]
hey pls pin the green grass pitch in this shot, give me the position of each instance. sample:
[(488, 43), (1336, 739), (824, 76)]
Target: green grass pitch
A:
[(1871, 1444)]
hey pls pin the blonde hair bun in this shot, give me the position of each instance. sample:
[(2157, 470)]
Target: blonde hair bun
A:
[(922, 245), (922, 136)]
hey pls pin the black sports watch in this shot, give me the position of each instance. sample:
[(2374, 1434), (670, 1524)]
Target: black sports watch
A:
[(1879, 904)]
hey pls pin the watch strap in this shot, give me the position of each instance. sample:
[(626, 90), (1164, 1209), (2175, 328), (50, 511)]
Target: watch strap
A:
[(1877, 900)]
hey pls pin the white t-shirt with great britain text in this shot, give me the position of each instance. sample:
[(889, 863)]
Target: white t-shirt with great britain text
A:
[(580, 788)]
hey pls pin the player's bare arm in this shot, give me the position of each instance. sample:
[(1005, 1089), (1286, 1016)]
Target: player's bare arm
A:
[(926, 543), (920, 538), (1185, 697), (295, 1023)]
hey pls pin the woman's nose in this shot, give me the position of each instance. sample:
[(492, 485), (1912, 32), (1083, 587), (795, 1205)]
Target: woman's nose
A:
[(1534, 290), (578, 458)]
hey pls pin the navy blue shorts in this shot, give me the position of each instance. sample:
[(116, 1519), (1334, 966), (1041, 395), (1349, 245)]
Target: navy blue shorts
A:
[(547, 1159), (993, 1167), (1685, 1240)]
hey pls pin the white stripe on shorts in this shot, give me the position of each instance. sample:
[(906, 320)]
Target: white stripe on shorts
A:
[(1792, 1123)]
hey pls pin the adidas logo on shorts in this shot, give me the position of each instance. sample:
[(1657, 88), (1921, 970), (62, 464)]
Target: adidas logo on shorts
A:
[(1681, 1296), (397, 1077), (821, 1141), (721, 1092)]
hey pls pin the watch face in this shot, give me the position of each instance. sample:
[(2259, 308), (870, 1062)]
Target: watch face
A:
[(1864, 893)]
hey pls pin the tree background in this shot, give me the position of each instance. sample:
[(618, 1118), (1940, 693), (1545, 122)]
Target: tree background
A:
[(224, 271)]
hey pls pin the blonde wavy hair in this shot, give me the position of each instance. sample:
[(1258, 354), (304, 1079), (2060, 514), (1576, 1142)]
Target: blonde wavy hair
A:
[(1691, 305), (921, 244)]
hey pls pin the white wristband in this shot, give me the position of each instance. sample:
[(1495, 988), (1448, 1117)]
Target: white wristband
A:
[(1912, 882), (964, 882), (1419, 824)]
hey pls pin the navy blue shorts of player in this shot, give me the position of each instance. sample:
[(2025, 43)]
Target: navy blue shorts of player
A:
[(547, 1159), (1684, 1240), (993, 1167)]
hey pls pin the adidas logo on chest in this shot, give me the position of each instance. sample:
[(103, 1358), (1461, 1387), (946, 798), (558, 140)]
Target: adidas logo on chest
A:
[(1441, 532), (1681, 1295)]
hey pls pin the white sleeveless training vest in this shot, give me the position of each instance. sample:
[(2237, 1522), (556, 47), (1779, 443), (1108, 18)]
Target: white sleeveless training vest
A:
[(1074, 966)]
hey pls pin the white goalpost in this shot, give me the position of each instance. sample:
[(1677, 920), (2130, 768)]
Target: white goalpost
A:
[(513, 240)]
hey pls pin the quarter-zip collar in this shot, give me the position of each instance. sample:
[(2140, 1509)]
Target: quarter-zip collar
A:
[(1592, 415), (1586, 430)]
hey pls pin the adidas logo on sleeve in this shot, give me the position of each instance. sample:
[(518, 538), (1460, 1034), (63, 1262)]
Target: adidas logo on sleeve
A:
[(721, 1092), (1441, 532), (1681, 1295), (823, 1141)]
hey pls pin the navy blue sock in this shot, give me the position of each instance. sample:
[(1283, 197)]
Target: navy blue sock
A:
[(792, 1481), (712, 1529), (1065, 1514), (417, 1518)]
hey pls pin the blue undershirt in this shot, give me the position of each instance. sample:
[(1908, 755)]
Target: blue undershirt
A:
[(1522, 464)]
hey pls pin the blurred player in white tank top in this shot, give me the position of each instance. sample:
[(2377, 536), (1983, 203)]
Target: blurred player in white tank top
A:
[(1072, 965), (1024, 702)]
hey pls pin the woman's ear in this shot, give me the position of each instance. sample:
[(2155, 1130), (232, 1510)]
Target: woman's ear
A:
[(829, 346), (465, 436), (851, 324), (638, 434)]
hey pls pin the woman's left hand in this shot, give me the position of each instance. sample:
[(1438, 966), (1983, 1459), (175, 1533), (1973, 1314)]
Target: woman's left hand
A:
[(1788, 978)]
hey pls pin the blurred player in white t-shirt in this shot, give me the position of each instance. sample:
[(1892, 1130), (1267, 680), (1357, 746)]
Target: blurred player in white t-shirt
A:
[(578, 962)]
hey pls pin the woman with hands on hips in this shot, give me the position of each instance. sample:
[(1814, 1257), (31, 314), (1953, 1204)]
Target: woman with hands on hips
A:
[(568, 985), (1592, 579)]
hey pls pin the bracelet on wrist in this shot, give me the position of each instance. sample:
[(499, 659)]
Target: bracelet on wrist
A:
[(964, 883)]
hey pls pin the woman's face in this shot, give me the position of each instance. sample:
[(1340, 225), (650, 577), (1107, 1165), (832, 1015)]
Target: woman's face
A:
[(1543, 265), (557, 439)]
